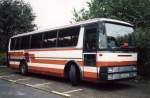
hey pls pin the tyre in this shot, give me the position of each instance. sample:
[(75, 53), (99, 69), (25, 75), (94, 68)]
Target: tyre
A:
[(23, 68), (74, 75)]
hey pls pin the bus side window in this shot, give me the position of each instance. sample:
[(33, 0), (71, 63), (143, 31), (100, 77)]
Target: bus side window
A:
[(25, 40), (12, 45), (36, 40), (17, 43), (49, 39), (68, 37)]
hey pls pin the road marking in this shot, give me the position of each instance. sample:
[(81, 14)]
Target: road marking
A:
[(71, 91), (62, 94), (29, 85), (12, 80), (22, 79), (36, 85), (42, 84), (66, 94), (8, 80), (6, 76)]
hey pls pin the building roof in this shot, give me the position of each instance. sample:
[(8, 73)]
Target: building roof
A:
[(75, 24)]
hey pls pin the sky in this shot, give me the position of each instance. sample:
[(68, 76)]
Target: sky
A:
[(54, 13)]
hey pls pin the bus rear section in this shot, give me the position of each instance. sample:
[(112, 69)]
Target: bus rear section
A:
[(96, 50)]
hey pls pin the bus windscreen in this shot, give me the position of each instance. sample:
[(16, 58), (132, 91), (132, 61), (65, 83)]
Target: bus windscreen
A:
[(116, 35)]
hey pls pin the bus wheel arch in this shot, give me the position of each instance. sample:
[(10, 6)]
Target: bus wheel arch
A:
[(23, 67), (68, 68)]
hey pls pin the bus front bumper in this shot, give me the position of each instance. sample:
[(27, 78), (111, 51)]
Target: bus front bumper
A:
[(118, 73)]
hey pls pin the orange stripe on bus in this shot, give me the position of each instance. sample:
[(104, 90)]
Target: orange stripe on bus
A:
[(122, 63), (90, 74), (53, 71), (19, 54), (15, 53), (45, 73), (61, 62), (14, 66)]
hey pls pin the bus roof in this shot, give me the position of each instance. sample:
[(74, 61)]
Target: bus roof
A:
[(74, 24)]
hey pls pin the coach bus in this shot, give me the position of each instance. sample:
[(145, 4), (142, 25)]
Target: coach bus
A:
[(87, 50)]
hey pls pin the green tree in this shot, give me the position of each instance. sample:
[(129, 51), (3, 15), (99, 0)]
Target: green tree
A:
[(15, 17), (134, 11)]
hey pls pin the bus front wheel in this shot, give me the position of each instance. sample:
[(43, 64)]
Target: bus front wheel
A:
[(73, 75), (23, 68)]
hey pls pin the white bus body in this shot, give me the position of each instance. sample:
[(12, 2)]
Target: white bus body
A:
[(81, 51)]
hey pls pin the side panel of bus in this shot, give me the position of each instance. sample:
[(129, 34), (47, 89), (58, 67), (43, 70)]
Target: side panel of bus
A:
[(49, 60), (53, 61)]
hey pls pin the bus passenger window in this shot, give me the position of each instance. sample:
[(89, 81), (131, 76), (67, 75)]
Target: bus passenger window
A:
[(25, 40), (18, 43), (12, 45), (68, 37), (36, 41), (50, 39)]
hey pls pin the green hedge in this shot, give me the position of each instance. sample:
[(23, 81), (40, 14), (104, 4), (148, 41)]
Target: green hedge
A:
[(141, 39), (3, 58)]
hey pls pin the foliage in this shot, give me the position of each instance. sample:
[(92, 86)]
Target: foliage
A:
[(134, 11), (3, 58), (143, 43), (15, 17)]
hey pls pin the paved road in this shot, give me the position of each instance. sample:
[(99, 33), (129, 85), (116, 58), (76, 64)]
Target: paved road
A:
[(11, 90), (50, 85)]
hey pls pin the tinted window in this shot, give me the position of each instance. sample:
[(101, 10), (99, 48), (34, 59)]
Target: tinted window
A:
[(18, 43), (90, 37), (50, 39), (68, 37), (25, 42), (36, 41), (12, 45)]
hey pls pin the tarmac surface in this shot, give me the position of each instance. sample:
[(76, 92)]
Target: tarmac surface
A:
[(14, 85), (12, 90)]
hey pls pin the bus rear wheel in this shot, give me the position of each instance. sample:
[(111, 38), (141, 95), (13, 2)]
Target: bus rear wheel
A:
[(23, 68), (74, 75)]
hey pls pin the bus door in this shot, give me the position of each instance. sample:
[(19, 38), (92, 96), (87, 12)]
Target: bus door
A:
[(90, 51)]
